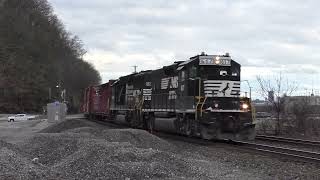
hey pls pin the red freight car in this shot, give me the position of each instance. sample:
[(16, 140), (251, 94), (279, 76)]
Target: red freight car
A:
[(105, 99), (97, 100), (86, 102)]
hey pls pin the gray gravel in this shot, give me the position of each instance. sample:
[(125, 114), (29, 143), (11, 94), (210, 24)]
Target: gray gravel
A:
[(101, 159), (79, 149), (15, 164), (69, 124), (243, 164), (92, 152)]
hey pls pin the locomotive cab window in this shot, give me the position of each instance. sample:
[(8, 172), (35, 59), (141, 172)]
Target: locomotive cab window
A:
[(193, 72), (182, 76)]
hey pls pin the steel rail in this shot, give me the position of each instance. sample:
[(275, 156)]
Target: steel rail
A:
[(288, 140), (306, 156), (289, 152)]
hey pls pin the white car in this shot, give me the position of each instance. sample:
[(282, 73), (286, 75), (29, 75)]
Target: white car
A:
[(19, 117)]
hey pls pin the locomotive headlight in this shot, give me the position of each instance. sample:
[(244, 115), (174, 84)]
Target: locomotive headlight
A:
[(217, 61), (245, 106), (216, 105)]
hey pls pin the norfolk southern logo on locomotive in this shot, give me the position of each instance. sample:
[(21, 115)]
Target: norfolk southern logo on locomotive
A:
[(171, 82), (220, 88)]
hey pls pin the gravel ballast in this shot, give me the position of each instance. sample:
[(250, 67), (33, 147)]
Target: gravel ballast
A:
[(88, 152), (15, 164), (80, 149)]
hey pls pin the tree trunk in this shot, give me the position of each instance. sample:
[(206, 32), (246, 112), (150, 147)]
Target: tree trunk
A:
[(278, 129)]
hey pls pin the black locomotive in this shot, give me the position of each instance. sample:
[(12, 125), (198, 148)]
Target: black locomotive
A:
[(197, 97)]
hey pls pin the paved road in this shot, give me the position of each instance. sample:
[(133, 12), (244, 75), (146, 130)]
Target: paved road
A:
[(4, 117), (75, 116), (17, 131)]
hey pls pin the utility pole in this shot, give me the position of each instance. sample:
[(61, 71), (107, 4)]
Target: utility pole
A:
[(49, 91), (312, 94), (135, 68), (249, 88), (58, 92)]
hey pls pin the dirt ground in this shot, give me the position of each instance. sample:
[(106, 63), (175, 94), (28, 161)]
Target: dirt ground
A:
[(79, 149)]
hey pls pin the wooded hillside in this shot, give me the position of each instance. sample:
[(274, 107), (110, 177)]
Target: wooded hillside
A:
[(37, 54)]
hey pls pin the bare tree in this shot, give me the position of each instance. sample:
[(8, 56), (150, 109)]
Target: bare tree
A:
[(280, 87), (302, 108)]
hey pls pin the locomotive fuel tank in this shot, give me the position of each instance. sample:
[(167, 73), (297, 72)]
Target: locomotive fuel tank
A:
[(165, 124)]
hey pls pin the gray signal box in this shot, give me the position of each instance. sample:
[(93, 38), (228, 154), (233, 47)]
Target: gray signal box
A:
[(56, 111)]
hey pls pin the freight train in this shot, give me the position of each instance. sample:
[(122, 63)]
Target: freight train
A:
[(197, 97)]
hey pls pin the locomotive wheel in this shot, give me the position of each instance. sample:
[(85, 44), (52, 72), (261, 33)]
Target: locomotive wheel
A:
[(187, 126), (129, 117), (136, 119), (145, 118), (205, 132), (112, 116), (133, 119), (150, 124), (179, 124)]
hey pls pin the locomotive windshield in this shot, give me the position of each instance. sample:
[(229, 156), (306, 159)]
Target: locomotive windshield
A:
[(215, 60), (218, 68), (231, 73)]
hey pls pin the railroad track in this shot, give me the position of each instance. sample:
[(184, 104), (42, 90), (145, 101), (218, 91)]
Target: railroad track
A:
[(288, 140), (289, 153), (281, 151)]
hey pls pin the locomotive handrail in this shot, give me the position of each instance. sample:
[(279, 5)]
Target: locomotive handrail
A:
[(253, 112), (199, 99), (205, 99)]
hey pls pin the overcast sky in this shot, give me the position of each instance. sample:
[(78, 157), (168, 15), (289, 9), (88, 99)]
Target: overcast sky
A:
[(265, 37)]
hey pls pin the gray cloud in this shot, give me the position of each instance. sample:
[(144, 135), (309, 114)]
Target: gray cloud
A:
[(262, 34)]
